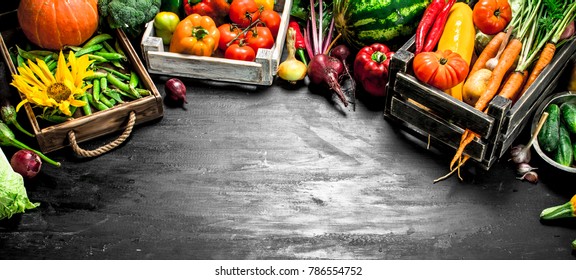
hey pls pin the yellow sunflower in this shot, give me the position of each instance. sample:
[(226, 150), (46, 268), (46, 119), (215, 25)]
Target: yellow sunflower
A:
[(58, 91)]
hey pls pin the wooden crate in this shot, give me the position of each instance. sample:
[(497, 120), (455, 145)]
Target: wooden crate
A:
[(432, 115), (55, 137), (259, 72)]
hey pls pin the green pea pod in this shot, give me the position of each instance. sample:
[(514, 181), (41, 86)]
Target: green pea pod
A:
[(28, 56), (96, 89), (134, 80), (111, 56), (97, 39), (86, 108), (87, 50), (106, 101), (97, 58), (96, 75), (98, 105), (116, 72)]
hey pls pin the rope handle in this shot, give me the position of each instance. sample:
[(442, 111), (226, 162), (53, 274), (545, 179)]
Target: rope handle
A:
[(99, 151)]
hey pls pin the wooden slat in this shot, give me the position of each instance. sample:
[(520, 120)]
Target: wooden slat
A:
[(430, 125), (444, 105)]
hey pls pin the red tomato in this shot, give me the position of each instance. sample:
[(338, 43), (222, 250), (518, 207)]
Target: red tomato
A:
[(491, 16), (272, 20), (240, 52), (244, 12), (259, 37), (440, 69), (227, 33)]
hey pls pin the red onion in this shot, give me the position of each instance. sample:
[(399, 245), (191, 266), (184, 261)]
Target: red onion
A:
[(27, 163), (175, 91), (568, 31)]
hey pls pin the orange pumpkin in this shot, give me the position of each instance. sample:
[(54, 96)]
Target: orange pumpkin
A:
[(53, 24)]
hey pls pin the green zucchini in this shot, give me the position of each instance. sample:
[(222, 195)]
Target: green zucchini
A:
[(564, 152), (568, 113), (549, 135)]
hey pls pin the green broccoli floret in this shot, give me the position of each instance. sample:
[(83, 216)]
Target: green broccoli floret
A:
[(130, 15)]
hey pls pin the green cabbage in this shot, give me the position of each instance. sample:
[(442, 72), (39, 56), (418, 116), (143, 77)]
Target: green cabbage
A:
[(13, 197)]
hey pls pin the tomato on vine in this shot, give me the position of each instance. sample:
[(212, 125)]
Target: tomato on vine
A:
[(227, 33), (272, 20), (259, 37), (240, 51), (244, 12)]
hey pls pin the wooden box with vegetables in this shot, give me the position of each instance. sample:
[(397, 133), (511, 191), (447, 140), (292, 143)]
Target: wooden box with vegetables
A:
[(247, 49), (76, 84), (473, 74)]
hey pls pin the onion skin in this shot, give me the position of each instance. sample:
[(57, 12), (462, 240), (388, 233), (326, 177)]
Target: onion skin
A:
[(175, 91), (26, 163)]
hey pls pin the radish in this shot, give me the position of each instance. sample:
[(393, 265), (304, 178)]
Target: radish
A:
[(324, 69)]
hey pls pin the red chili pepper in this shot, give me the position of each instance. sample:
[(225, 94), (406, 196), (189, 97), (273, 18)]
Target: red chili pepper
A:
[(438, 27), (299, 40), (371, 68), (426, 23)]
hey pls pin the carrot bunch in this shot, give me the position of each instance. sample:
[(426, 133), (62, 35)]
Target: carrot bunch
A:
[(529, 42)]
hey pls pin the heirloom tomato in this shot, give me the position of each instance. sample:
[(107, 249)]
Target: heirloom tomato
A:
[(227, 33), (240, 52), (259, 37), (244, 12), (272, 20), (491, 16), (442, 69)]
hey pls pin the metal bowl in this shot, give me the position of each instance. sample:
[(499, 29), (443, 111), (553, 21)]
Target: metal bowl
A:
[(557, 98)]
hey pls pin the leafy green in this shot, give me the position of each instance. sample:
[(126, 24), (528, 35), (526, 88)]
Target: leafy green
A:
[(13, 196)]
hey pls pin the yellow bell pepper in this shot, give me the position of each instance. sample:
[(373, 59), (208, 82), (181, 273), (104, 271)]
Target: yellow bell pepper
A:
[(458, 36), (197, 35), (265, 4)]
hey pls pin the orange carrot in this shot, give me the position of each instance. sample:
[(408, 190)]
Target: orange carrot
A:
[(545, 58), (508, 58), (513, 84), (489, 51)]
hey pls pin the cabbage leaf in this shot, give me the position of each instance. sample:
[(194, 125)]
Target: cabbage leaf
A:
[(13, 196)]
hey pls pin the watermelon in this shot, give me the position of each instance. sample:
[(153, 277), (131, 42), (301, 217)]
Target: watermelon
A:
[(363, 22)]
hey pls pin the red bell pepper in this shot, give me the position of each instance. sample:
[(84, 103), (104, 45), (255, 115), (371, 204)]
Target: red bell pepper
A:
[(371, 68), (216, 9)]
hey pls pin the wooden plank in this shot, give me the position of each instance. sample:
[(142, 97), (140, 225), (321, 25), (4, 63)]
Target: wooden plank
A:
[(398, 63), (444, 105), (430, 125)]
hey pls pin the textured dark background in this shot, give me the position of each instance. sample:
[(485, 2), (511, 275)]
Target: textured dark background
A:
[(282, 173)]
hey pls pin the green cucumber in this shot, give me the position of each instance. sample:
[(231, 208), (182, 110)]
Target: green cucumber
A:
[(363, 22), (568, 113), (549, 135), (564, 152)]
